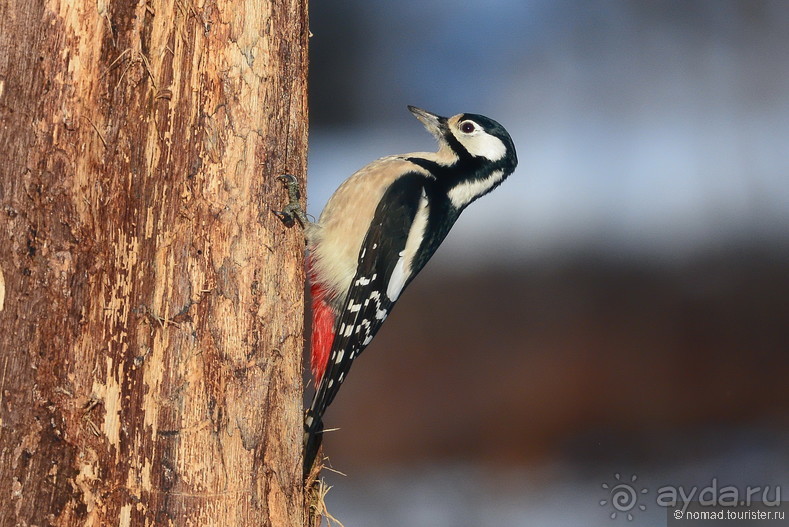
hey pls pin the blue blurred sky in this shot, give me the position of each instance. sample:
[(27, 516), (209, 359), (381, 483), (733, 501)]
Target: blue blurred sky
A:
[(651, 128)]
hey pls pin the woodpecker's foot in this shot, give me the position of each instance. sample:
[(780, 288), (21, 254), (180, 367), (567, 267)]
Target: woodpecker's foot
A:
[(292, 211)]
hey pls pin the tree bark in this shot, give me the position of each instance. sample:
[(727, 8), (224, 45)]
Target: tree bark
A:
[(151, 306)]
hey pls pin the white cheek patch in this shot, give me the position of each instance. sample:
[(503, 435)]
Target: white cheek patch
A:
[(466, 192), (487, 146), (482, 144)]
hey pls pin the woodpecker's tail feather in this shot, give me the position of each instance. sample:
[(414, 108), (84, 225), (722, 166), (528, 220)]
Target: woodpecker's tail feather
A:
[(313, 437), (313, 428), (323, 319)]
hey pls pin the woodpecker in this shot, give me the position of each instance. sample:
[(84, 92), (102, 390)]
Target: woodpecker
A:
[(378, 230)]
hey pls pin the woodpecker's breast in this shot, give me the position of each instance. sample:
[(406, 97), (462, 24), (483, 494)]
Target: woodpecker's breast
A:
[(336, 239)]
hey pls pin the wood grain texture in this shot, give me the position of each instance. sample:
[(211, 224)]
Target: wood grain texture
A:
[(151, 306)]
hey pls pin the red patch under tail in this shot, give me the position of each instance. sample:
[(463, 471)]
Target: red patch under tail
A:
[(322, 332)]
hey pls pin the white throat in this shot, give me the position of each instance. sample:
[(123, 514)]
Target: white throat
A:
[(466, 192)]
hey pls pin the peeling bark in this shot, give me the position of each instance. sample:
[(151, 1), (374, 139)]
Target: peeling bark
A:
[(151, 306)]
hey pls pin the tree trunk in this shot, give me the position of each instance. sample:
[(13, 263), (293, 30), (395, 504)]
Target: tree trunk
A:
[(151, 306)]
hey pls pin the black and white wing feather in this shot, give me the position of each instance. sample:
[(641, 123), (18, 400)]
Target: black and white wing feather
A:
[(382, 273)]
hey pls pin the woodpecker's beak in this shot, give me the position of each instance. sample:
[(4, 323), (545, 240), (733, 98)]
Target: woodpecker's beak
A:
[(435, 124)]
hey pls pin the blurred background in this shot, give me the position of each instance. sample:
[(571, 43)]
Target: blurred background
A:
[(618, 308)]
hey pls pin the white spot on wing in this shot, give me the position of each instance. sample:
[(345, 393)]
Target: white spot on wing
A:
[(397, 281), (402, 269), (340, 356), (466, 192)]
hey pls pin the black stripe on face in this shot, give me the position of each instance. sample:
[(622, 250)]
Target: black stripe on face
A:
[(457, 147)]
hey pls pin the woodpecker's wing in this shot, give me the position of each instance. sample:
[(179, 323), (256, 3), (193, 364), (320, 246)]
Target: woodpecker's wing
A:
[(382, 272)]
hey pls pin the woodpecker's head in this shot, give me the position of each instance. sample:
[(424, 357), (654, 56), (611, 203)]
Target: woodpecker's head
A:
[(469, 135)]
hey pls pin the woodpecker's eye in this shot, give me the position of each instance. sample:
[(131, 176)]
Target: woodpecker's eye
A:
[(467, 127)]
